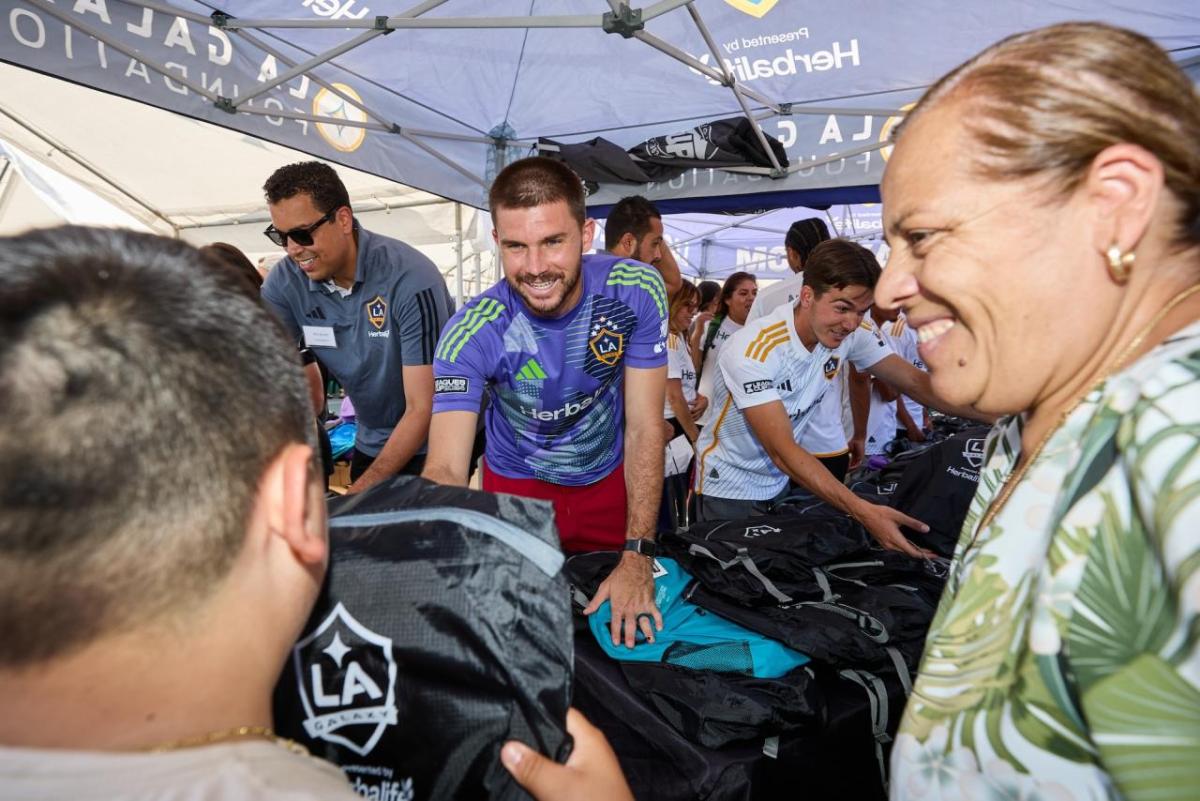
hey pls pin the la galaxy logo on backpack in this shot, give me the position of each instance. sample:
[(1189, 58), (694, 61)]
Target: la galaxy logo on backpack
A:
[(607, 342), (347, 680), (377, 312), (973, 452)]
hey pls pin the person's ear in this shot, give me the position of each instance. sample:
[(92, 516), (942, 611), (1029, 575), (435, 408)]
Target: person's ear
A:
[(588, 234), (345, 219), (628, 243), (1123, 186), (807, 296), (294, 504)]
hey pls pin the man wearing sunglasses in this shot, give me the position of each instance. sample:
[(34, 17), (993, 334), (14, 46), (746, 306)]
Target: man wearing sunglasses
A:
[(370, 308)]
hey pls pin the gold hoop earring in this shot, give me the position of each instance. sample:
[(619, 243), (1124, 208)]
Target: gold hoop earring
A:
[(1120, 265)]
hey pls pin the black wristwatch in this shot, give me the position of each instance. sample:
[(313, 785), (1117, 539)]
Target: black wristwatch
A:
[(644, 547)]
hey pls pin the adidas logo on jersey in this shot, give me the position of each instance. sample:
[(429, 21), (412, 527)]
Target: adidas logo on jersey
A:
[(531, 371)]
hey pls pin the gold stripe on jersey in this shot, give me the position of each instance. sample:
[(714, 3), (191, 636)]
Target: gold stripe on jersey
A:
[(768, 333), (865, 324), (898, 326), (716, 439), (672, 341), (766, 340), (770, 346)]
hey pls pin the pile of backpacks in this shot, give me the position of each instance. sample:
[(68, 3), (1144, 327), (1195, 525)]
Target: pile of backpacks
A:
[(449, 623), (790, 640)]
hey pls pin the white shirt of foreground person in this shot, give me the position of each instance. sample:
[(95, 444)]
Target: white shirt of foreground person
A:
[(762, 363), (248, 770)]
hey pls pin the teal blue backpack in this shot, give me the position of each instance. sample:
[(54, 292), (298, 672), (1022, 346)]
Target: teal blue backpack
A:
[(691, 637)]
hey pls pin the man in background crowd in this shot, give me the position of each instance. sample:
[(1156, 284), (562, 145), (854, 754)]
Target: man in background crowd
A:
[(634, 230)]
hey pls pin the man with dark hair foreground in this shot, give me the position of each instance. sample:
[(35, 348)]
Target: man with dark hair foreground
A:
[(634, 230), (369, 307), (162, 534), (571, 351), (771, 377), (162, 525)]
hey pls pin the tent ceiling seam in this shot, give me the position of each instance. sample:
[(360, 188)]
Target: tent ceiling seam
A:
[(517, 72)]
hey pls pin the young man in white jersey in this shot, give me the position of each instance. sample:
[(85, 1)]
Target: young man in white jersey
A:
[(771, 377), (825, 436)]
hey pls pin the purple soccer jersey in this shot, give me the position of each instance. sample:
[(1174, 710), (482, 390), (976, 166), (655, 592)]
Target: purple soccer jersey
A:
[(555, 385)]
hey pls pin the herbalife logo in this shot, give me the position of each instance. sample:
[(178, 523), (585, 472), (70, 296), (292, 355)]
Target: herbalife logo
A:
[(531, 371)]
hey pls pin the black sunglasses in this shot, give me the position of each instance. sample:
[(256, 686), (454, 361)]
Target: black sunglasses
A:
[(302, 236)]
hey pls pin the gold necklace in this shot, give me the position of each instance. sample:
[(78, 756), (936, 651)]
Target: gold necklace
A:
[(1010, 483), (236, 733)]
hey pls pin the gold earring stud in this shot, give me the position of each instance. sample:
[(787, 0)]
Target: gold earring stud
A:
[(1120, 264)]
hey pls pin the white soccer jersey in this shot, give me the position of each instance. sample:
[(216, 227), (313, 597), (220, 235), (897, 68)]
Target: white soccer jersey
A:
[(881, 424), (884, 420), (679, 365), (768, 299), (763, 363), (708, 372), (903, 339), (825, 434)]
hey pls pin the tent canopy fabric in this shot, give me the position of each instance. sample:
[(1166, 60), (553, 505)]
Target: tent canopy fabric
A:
[(439, 94), (176, 176)]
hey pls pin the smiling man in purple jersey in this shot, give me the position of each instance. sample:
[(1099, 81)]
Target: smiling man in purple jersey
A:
[(571, 352)]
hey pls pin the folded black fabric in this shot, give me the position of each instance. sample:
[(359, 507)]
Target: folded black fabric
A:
[(443, 630)]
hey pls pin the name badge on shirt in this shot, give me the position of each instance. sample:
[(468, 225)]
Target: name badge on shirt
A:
[(319, 336)]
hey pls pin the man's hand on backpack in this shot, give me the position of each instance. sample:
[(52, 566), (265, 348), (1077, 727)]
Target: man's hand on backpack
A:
[(630, 592)]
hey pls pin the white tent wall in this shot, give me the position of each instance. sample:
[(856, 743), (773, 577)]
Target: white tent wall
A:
[(193, 180)]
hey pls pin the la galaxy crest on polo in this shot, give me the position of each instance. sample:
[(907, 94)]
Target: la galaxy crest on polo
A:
[(377, 312)]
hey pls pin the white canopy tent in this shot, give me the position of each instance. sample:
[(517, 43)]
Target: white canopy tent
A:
[(440, 93)]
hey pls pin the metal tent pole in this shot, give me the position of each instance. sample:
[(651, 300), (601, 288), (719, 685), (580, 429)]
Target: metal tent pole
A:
[(458, 252)]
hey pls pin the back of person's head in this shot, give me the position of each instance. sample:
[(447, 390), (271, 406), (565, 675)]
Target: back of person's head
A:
[(313, 178), (630, 215), (235, 264), (537, 181), (804, 235), (709, 291), (729, 287), (840, 263), (1048, 101), (687, 295), (142, 398)]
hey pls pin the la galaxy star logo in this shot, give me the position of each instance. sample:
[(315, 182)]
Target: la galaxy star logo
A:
[(377, 312), (607, 342), (347, 680), (753, 532), (831, 366)]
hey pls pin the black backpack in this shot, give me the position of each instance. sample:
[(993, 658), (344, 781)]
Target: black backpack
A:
[(443, 630)]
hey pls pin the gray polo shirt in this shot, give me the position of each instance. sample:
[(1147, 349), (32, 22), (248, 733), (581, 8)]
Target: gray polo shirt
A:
[(391, 318)]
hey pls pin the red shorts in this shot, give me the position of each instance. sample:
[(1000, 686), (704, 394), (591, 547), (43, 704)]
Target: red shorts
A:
[(589, 518)]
